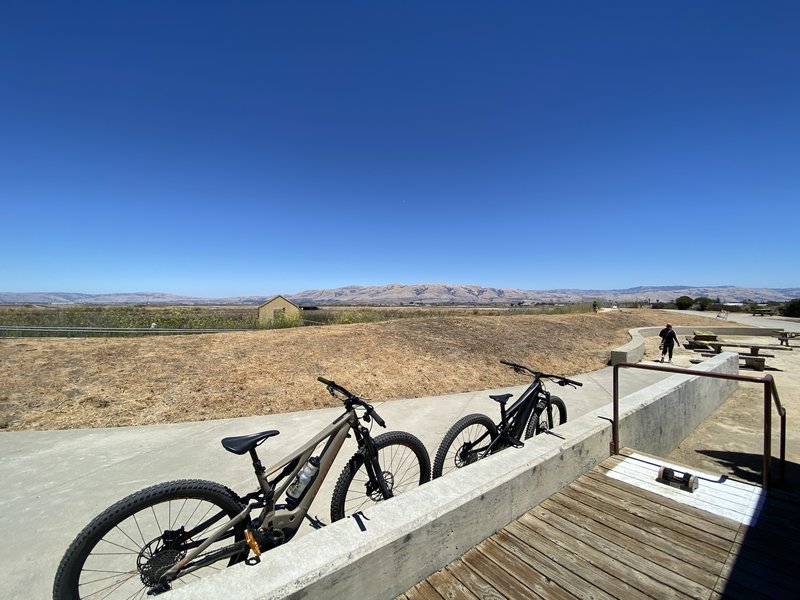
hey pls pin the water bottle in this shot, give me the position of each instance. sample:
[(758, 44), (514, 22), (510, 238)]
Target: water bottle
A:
[(304, 477)]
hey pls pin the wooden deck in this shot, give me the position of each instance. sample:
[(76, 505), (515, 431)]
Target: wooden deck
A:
[(617, 533)]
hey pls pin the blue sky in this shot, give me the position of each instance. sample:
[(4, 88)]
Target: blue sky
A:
[(235, 148)]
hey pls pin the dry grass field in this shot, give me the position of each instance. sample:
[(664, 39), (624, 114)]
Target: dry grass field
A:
[(108, 382)]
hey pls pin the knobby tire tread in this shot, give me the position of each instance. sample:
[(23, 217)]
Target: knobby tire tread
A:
[(536, 415), (65, 585), (384, 440), (453, 433)]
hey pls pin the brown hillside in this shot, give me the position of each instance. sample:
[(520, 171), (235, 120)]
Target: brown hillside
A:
[(107, 382)]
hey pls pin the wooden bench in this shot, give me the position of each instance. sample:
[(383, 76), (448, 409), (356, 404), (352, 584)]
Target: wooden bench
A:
[(755, 362), (707, 353), (754, 348)]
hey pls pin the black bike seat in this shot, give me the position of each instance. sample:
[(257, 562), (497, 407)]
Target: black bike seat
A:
[(244, 443), (501, 398)]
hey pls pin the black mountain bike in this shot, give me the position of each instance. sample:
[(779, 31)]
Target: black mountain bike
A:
[(475, 436), (174, 532)]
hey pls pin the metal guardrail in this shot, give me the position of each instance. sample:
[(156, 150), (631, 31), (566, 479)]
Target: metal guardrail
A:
[(5, 330), (770, 393)]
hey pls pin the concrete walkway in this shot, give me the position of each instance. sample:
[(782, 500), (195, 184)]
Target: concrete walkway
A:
[(55, 482)]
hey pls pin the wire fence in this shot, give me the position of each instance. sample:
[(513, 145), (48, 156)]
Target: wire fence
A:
[(14, 331)]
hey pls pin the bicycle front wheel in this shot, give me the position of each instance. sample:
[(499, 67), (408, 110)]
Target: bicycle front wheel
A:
[(125, 550), (465, 443), (543, 420), (404, 462)]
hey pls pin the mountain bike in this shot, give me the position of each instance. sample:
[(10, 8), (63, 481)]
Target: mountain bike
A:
[(173, 532), (476, 436)]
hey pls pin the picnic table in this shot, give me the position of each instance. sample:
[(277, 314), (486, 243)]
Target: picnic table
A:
[(704, 336), (785, 336), (763, 312)]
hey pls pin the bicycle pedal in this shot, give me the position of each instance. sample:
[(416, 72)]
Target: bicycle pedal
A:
[(515, 442), (251, 541)]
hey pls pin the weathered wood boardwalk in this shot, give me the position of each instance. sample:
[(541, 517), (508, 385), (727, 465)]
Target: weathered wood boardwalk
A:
[(617, 533)]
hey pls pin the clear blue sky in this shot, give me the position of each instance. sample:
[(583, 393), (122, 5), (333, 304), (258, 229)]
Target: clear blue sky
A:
[(234, 148)]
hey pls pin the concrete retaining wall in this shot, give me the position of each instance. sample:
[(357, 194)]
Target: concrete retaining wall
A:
[(417, 533), (633, 351)]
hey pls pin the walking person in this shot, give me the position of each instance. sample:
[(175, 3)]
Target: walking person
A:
[(668, 340)]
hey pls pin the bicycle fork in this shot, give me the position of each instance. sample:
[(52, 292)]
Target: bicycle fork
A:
[(375, 473)]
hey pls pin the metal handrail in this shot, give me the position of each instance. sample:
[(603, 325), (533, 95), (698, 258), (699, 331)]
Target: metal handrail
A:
[(770, 393)]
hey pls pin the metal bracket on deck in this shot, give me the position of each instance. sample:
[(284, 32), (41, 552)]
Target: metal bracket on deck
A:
[(685, 481)]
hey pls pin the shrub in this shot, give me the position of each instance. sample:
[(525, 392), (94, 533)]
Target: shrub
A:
[(791, 308), (684, 303), (703, 303)]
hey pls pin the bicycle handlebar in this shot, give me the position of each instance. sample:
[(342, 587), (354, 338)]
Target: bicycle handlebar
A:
[(560, 379), (350, 397)]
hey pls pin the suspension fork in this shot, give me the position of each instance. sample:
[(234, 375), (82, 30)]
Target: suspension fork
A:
[(548, 408), (374, 470)]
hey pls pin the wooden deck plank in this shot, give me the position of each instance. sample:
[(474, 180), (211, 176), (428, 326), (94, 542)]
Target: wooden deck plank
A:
[(424, 590), (605, 537), (648, 520), (662, 553), (532, 578), (646, 533), (716, 495), (713, 524), (497, 577), (647, 576), (583, 568), (449, 587), (473, 581)]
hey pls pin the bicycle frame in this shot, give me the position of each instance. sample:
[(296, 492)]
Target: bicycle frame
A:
[(514, 419), (511, 426), (280, 518)]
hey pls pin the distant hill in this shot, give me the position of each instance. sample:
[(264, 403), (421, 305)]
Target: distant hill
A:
[(437, 293), (433, 293)]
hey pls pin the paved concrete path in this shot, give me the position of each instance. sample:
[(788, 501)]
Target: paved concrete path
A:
[(55, 482)]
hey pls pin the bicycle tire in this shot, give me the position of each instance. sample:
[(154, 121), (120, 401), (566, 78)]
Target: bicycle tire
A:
[(537, 425), (405, 464), (126, 543), (454, 446)]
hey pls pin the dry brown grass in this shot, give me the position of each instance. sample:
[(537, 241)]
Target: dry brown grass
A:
[(74, 383)]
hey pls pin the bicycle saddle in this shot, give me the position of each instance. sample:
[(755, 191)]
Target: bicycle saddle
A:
[(244, 443), (501, 398)]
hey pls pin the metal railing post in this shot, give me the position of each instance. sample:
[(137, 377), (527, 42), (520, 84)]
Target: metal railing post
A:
[(770, 393)]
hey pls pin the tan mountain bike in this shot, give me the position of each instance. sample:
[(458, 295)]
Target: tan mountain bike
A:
[(177, 531)]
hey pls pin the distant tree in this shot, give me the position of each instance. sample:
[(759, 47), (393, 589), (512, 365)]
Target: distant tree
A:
[(703, 303), (791, 308), (684, 303)]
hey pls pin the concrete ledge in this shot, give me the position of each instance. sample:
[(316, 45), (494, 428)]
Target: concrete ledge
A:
[(633, 351), (415, 534)]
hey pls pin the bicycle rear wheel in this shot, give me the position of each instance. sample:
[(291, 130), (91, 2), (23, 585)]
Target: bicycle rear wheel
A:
[(404, 462), (466, 442), (124, 551), (542, 422)]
